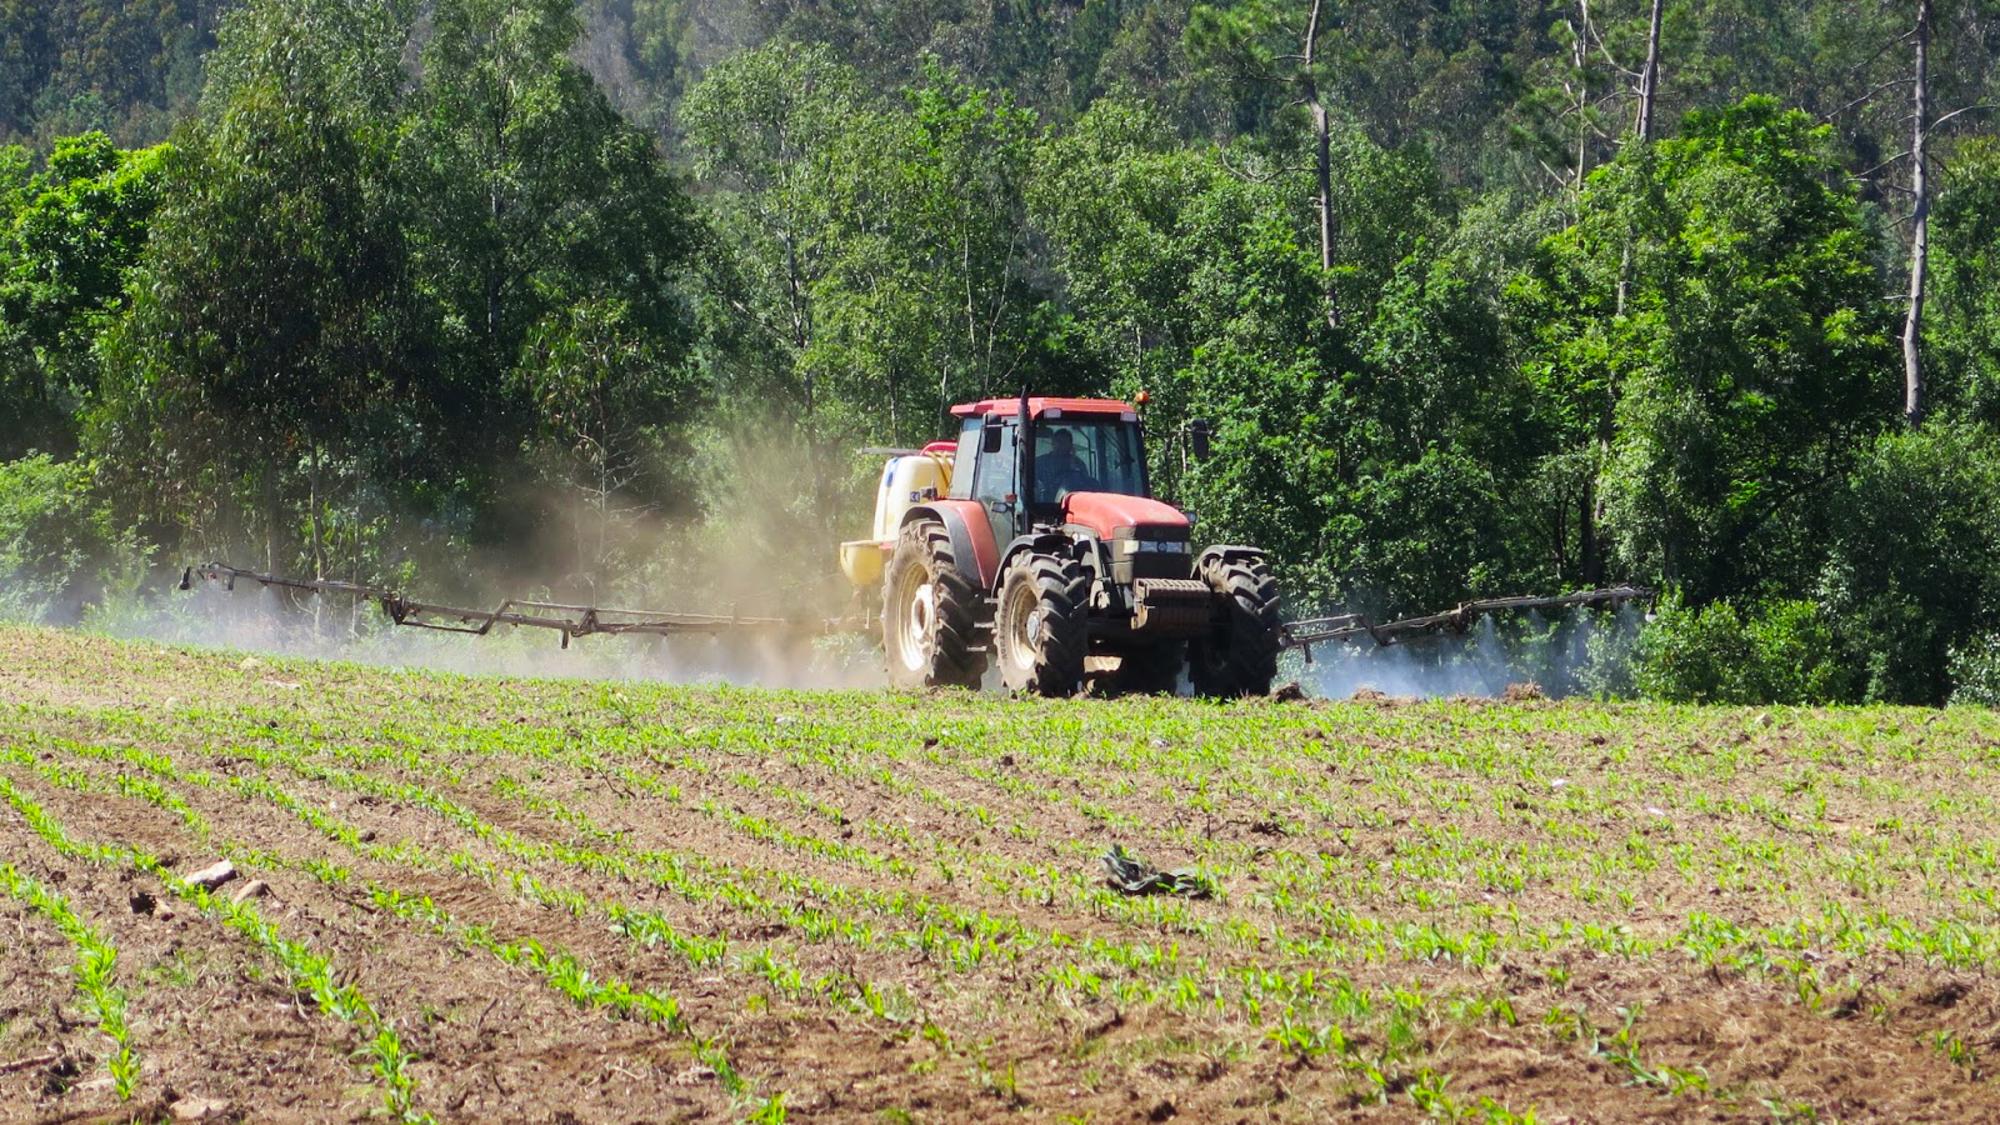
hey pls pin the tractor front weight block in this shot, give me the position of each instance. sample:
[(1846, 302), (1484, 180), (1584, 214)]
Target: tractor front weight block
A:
[(1172, 607)]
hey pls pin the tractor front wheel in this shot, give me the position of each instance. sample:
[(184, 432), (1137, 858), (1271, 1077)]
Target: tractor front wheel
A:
[(930, 615), (1240, 654), (1041, 630)]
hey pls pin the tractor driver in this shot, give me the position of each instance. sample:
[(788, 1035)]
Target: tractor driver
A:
[(1059, 470)]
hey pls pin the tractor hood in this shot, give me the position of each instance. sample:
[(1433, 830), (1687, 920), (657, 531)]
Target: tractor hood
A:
[(1112, 515)]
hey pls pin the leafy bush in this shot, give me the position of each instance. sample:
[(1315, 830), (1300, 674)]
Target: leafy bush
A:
[(59, 549), (1975, 672), (1781, 651), (1692, 655), (1795, 656), (1914, 569), (1607, 669), (1425, 535)]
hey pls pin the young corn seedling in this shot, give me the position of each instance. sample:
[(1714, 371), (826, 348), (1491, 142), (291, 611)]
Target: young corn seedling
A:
[(304, 969), (95, 971)]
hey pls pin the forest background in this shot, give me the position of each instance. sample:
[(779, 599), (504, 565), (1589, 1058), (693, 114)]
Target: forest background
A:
[(1478, 296)]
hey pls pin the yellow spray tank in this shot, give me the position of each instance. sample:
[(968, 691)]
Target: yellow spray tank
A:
[(909, 477)]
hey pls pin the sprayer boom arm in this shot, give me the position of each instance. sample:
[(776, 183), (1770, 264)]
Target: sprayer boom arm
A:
[(583, 620), (1305, 634), (570, 620)]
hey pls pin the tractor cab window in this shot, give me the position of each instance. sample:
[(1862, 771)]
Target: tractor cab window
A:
[(964, 459), (1087, 455), (977, 475)]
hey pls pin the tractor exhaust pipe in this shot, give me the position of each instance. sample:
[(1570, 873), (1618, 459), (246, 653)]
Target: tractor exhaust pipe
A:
[(1025, 447)]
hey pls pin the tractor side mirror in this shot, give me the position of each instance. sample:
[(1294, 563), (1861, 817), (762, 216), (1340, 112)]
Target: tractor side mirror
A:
[(1199, 434), (989, 434)]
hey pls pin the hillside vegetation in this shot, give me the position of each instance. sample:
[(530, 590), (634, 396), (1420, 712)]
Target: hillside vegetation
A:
[(602, 299), (527, 898)]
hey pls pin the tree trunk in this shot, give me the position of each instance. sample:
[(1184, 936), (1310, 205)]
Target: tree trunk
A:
[(1649, 89), (1592, 511), (1323, 166), (1580, 57), (801, 310), (273, 515), (313, 529), (1649, 77), (1590, 558), (1913, 321)]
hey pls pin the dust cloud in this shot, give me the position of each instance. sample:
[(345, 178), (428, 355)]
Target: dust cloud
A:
[(257, 619), (754, 532)]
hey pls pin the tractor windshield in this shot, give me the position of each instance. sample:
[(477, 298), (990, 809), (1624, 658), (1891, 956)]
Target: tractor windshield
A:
[(1085, 454)]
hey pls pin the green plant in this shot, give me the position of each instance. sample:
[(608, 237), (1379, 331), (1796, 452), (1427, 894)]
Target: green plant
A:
[(1975, 672), (60, 549), (1774, 652), (95, 971)]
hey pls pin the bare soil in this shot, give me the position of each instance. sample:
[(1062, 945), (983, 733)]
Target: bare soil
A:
[(1450, 909)]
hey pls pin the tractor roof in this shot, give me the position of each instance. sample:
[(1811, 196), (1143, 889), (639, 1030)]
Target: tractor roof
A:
[(1041, 406)]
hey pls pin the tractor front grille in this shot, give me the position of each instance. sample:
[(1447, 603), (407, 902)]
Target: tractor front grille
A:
[(1129, 567)]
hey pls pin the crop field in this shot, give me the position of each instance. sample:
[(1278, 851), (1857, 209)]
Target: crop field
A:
[(493, 899)]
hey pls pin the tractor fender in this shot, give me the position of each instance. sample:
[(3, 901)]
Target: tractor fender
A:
[(1096, 559), (1039, 542), (971, 533), (1228, 552)]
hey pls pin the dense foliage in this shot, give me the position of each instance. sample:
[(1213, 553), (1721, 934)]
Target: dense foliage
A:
[(1472, 306)]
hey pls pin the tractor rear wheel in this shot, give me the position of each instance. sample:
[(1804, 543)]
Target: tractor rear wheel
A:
[(1240, 654), (930, 613), (1041, 629)]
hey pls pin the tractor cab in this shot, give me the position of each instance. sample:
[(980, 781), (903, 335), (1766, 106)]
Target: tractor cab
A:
[(1034, 539), (1074, 446)]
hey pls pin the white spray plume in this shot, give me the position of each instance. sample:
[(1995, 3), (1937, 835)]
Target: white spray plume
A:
[(256, 619), (1581, 653)]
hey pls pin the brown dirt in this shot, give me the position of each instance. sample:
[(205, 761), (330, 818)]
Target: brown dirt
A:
[(1555, 831)]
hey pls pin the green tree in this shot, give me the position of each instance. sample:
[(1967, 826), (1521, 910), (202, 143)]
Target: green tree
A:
[(1193, 273), (603, 398), (767, 129), (76, 230), (530, 197), (1962, 332), (264, 321), (1192, 283), (926, 298), (1914, 566), (1749, 362), (125, 66)]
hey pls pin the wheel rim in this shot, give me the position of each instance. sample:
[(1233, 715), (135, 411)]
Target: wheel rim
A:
[(919, 603), (1024, 620)]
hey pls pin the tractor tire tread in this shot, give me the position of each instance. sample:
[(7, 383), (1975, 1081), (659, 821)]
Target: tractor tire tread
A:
[(1062, 589), (1241, 657), (953, 661)]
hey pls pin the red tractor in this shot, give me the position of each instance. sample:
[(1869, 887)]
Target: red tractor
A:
[(1033, 541)]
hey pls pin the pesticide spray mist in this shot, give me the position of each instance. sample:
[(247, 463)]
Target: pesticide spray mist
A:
[(254, 619), (1575, 653), (1578, 653)]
